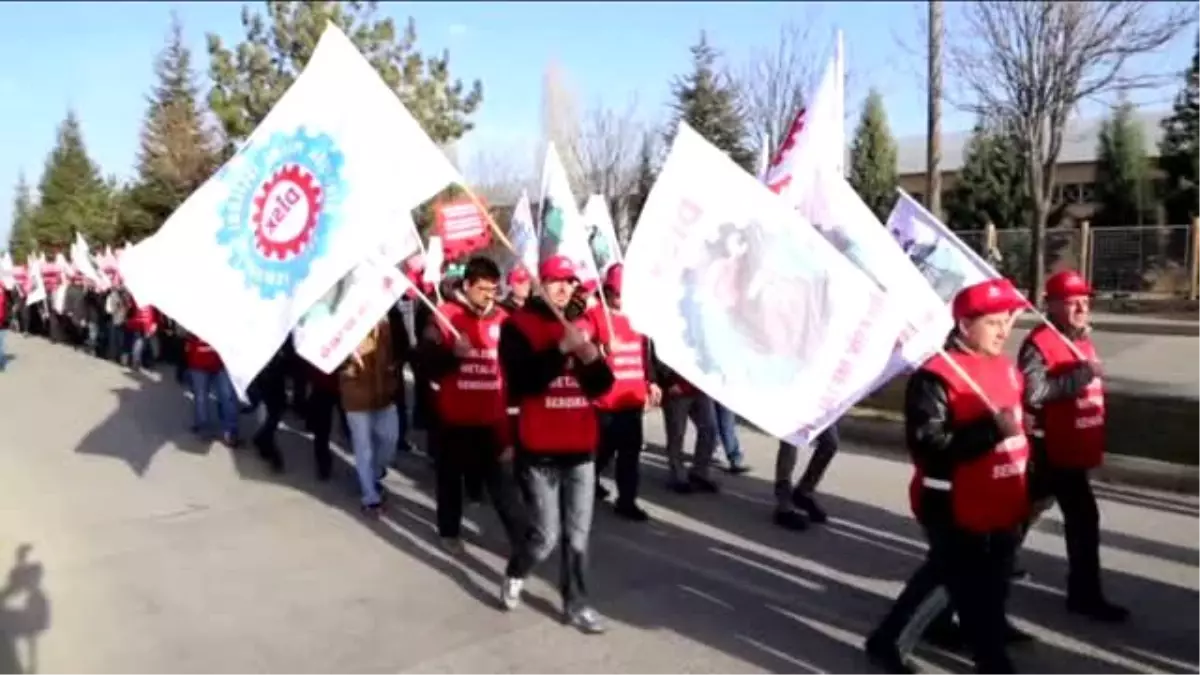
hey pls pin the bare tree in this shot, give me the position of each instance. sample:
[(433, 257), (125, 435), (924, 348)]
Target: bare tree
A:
[(608, 148), (773, 83), (560, 122), (497, 175), (1032, 63)]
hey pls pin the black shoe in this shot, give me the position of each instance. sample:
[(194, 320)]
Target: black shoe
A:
[(324, 473), (680, 487), (945, 635), (702, 484), (738, 468), (809, 505), (791, 520), (1098, 609), (886, 657), (602, 493), (1020, 574), (1016, 636), (631, 512)]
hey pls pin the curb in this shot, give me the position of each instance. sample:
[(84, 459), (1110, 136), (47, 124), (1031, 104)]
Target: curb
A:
[(882, 430), (1133, 327)]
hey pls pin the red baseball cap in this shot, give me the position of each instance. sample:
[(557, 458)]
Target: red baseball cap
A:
[(1067, 284), (614, 277), (518, 275), (987, 297), (557, 268)]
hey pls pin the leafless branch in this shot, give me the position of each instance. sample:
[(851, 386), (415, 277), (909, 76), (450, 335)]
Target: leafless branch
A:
[(497, 175), (1031, 63), (607, 148), (773, 83)]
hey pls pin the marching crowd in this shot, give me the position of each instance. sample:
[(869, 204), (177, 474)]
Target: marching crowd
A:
[(527, 398)]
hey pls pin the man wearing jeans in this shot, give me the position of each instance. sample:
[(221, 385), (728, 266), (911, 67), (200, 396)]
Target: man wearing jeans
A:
[(682, 401), (726, 421), (206, 375), (368, 382), (554, 370), (795, 507)]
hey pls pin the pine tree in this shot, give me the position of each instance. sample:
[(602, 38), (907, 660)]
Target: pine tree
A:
[(178, 152), (1179, 150), (991, 186), (708, 102), (1123, 170), (873, 158), (20, 237), (74, 197), (249, 79), (644, 182)]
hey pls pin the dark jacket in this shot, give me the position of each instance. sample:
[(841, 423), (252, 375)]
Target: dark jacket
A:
[(937, 443), (1042, 388), (529, 373)]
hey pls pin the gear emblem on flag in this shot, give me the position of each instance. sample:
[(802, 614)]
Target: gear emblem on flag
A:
[(283, 205)]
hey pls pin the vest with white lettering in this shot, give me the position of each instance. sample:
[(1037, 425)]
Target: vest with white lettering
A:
[(473, 394), (1073, 429), (625, 352), (988, 493), (560, 419)]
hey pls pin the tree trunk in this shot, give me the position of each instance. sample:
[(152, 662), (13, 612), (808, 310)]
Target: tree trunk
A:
[(933, 156), (1037, 251)]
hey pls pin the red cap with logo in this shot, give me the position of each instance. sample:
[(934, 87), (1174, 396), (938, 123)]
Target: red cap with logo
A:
[(518, 275), (614, 277), (987, 297), (557, 268), (1067, 284)]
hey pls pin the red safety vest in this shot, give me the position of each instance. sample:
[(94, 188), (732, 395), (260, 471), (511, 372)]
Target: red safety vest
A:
[(625, 352), (141, 319), (561, 419), (988, 493), (1073, 429), (198, 355), (473, 395)]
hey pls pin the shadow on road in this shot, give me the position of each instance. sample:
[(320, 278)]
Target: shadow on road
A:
[(24, 614), (717, 572)]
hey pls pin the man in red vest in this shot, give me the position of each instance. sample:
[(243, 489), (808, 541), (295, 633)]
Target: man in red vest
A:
[(1064, 398), (553, 371), (460, 353), (962, 416), (621, 409)]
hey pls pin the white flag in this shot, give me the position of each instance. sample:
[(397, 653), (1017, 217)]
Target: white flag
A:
[(946, 262), (746, 300), (37, 283), (563, 229), (523, 235), (305, 200), (8, 277), (82, 260), (333, 327), (602, 236), (435, 260)]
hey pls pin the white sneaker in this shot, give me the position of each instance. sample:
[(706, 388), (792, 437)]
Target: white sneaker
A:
[(510, 593)]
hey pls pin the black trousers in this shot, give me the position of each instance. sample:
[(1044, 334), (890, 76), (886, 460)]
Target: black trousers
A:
[(621, 438), (469, 454), (321, 405), (1072, 489), (975, 570)]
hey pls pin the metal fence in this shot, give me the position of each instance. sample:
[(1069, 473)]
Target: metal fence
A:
[(1146, 260)]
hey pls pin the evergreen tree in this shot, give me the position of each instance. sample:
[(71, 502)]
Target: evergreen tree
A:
[(20, 237), (708, 102), (991, 186), (250, 78), (1123, 171), (644, 182), (873, 158), (74, 197), (178, 153), (1179, 150)]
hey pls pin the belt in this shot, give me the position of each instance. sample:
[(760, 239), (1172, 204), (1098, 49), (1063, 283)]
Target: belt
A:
[(936, 484), (514, 410)]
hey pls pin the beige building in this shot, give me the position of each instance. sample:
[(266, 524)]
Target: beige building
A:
[(1077, 168)]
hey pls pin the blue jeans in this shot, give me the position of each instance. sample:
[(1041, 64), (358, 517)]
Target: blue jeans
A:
[(218, 384), (727, 431), (3, 354), (142, 344), (373, 435), (560, 501)]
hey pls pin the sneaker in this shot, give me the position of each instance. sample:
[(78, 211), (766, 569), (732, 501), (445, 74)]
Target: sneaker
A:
[(702, 484), (809, 505), (231, 441), (1020, 574), (454, 545), (791, 520), (886, 657), (681, 487), (738, 468), (631, 512), (510, 593), (1098, 609), (602, 493), (585, 619), (372, 511)]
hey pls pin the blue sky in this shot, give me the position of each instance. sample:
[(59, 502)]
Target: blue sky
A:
[(96, 57)]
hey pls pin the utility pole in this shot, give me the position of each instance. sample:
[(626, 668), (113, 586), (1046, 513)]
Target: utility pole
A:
[(933, 147)]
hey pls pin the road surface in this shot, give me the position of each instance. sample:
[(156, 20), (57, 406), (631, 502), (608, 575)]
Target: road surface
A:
[(132, 548)]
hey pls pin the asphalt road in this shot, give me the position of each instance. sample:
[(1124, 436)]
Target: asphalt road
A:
[(146, 551)]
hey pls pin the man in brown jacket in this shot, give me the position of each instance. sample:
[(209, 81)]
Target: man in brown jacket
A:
[(368, 382)]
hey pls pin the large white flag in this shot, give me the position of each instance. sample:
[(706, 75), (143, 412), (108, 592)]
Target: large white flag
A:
[(563, 229), (746, 300), (333, 327), (602, 236), (306, 199), (37, 287)]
